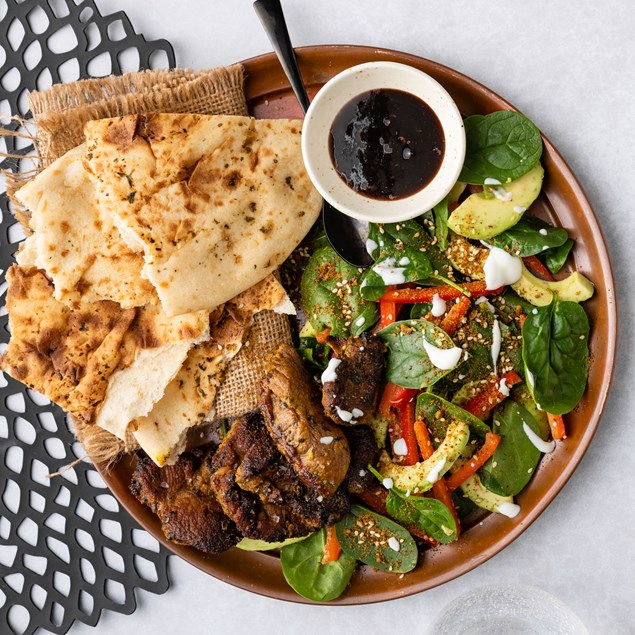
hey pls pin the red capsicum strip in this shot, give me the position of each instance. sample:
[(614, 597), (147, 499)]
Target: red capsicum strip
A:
[(445, 292), (332, 547), (537, 268), (403, 428), (475, 463), (440, 489), (483, 403)]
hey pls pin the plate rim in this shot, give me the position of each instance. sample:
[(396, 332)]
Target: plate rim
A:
[(260, 561)]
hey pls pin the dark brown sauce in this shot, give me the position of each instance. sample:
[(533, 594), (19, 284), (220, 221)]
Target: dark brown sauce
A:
[(387, 144)]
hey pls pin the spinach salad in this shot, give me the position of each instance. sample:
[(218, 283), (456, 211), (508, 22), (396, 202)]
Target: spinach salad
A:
[(484, 354)]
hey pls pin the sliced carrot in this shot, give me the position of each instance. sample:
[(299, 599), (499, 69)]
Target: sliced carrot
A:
[(537, 268), (376, 500), (556, 423), (475, 463), (453, 317), (440, 489), (332, 547), (444, 291), (482, 404)]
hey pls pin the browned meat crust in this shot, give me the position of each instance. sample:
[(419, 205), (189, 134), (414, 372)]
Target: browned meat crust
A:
[(317, 449), (364, 451), (258, 489), (187, 516), (359, 376)]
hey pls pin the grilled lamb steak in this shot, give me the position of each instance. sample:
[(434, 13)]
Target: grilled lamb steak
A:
[(259, 490), (316, 449), (187, 516), (364, 451), (359, 376)]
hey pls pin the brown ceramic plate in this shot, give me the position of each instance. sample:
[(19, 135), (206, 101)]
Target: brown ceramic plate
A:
[(562, 201)]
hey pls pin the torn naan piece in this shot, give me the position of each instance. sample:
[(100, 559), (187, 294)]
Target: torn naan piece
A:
[(216, 203), (99, 362), (75, 241), (190, 396)]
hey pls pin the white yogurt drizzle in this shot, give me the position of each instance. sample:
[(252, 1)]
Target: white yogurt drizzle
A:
[(530, 378), (547, 447), (435, 472), (438, 305), (443, 358), (371, 245), (491, 181), (393, 543), (388, 483), (404, 262), (329, 373), (501, 193), (326, 440), (400, 447), (503, 388), (496, 344), (542, 231), (508, 509), (390, 274), (501, 268), (360, 321), (357, 413), (520, 210)]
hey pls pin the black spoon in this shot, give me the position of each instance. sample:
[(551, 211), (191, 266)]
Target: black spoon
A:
[(345, 234)]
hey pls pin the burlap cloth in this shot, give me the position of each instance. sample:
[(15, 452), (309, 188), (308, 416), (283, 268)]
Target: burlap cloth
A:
[(60, 114)]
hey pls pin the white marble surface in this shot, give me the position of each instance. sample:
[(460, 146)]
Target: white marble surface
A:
[(570, 66)]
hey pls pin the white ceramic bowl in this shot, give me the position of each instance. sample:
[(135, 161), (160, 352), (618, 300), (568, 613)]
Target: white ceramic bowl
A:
[(334, 95)]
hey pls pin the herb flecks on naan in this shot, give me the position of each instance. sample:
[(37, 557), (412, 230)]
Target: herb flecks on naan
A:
[(189, 397), (78, 357), (215, 203), (75, 241)]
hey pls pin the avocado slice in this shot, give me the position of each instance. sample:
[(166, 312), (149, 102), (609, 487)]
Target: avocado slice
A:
[(575, 288), (249, 544), (466, 257), (416, 478), (482, 215), (482, 497)]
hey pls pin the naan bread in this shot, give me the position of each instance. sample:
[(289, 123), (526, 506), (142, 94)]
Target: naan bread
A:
[(215, 203), (75, 241), (87, 359), (190, 396)]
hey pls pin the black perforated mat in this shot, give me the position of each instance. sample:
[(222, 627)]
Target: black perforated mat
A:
[(67, 550)]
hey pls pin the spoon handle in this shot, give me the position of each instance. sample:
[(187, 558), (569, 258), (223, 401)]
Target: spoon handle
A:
[(272, 18)]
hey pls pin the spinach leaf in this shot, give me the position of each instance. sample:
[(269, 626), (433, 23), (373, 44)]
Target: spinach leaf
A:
[(503, 145), (316, 354), (439, 413), (525, 237), (405, 265), (555, 353), (408, 362), (555, 258), (355, 537), (428, 514), (396, 237), (420, 310), (331, 297), (303, 569), (513, 463), (441, 214)]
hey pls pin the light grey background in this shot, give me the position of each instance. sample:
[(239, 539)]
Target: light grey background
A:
[(570, 66)]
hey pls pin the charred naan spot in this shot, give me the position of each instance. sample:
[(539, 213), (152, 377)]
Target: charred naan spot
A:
[(19, 372), (254, 159), (121, 132), (64, 253), (289, 182), (238, 259), (64, 226), (301, 213), (98, 225), (232, 180), (267, 228)]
